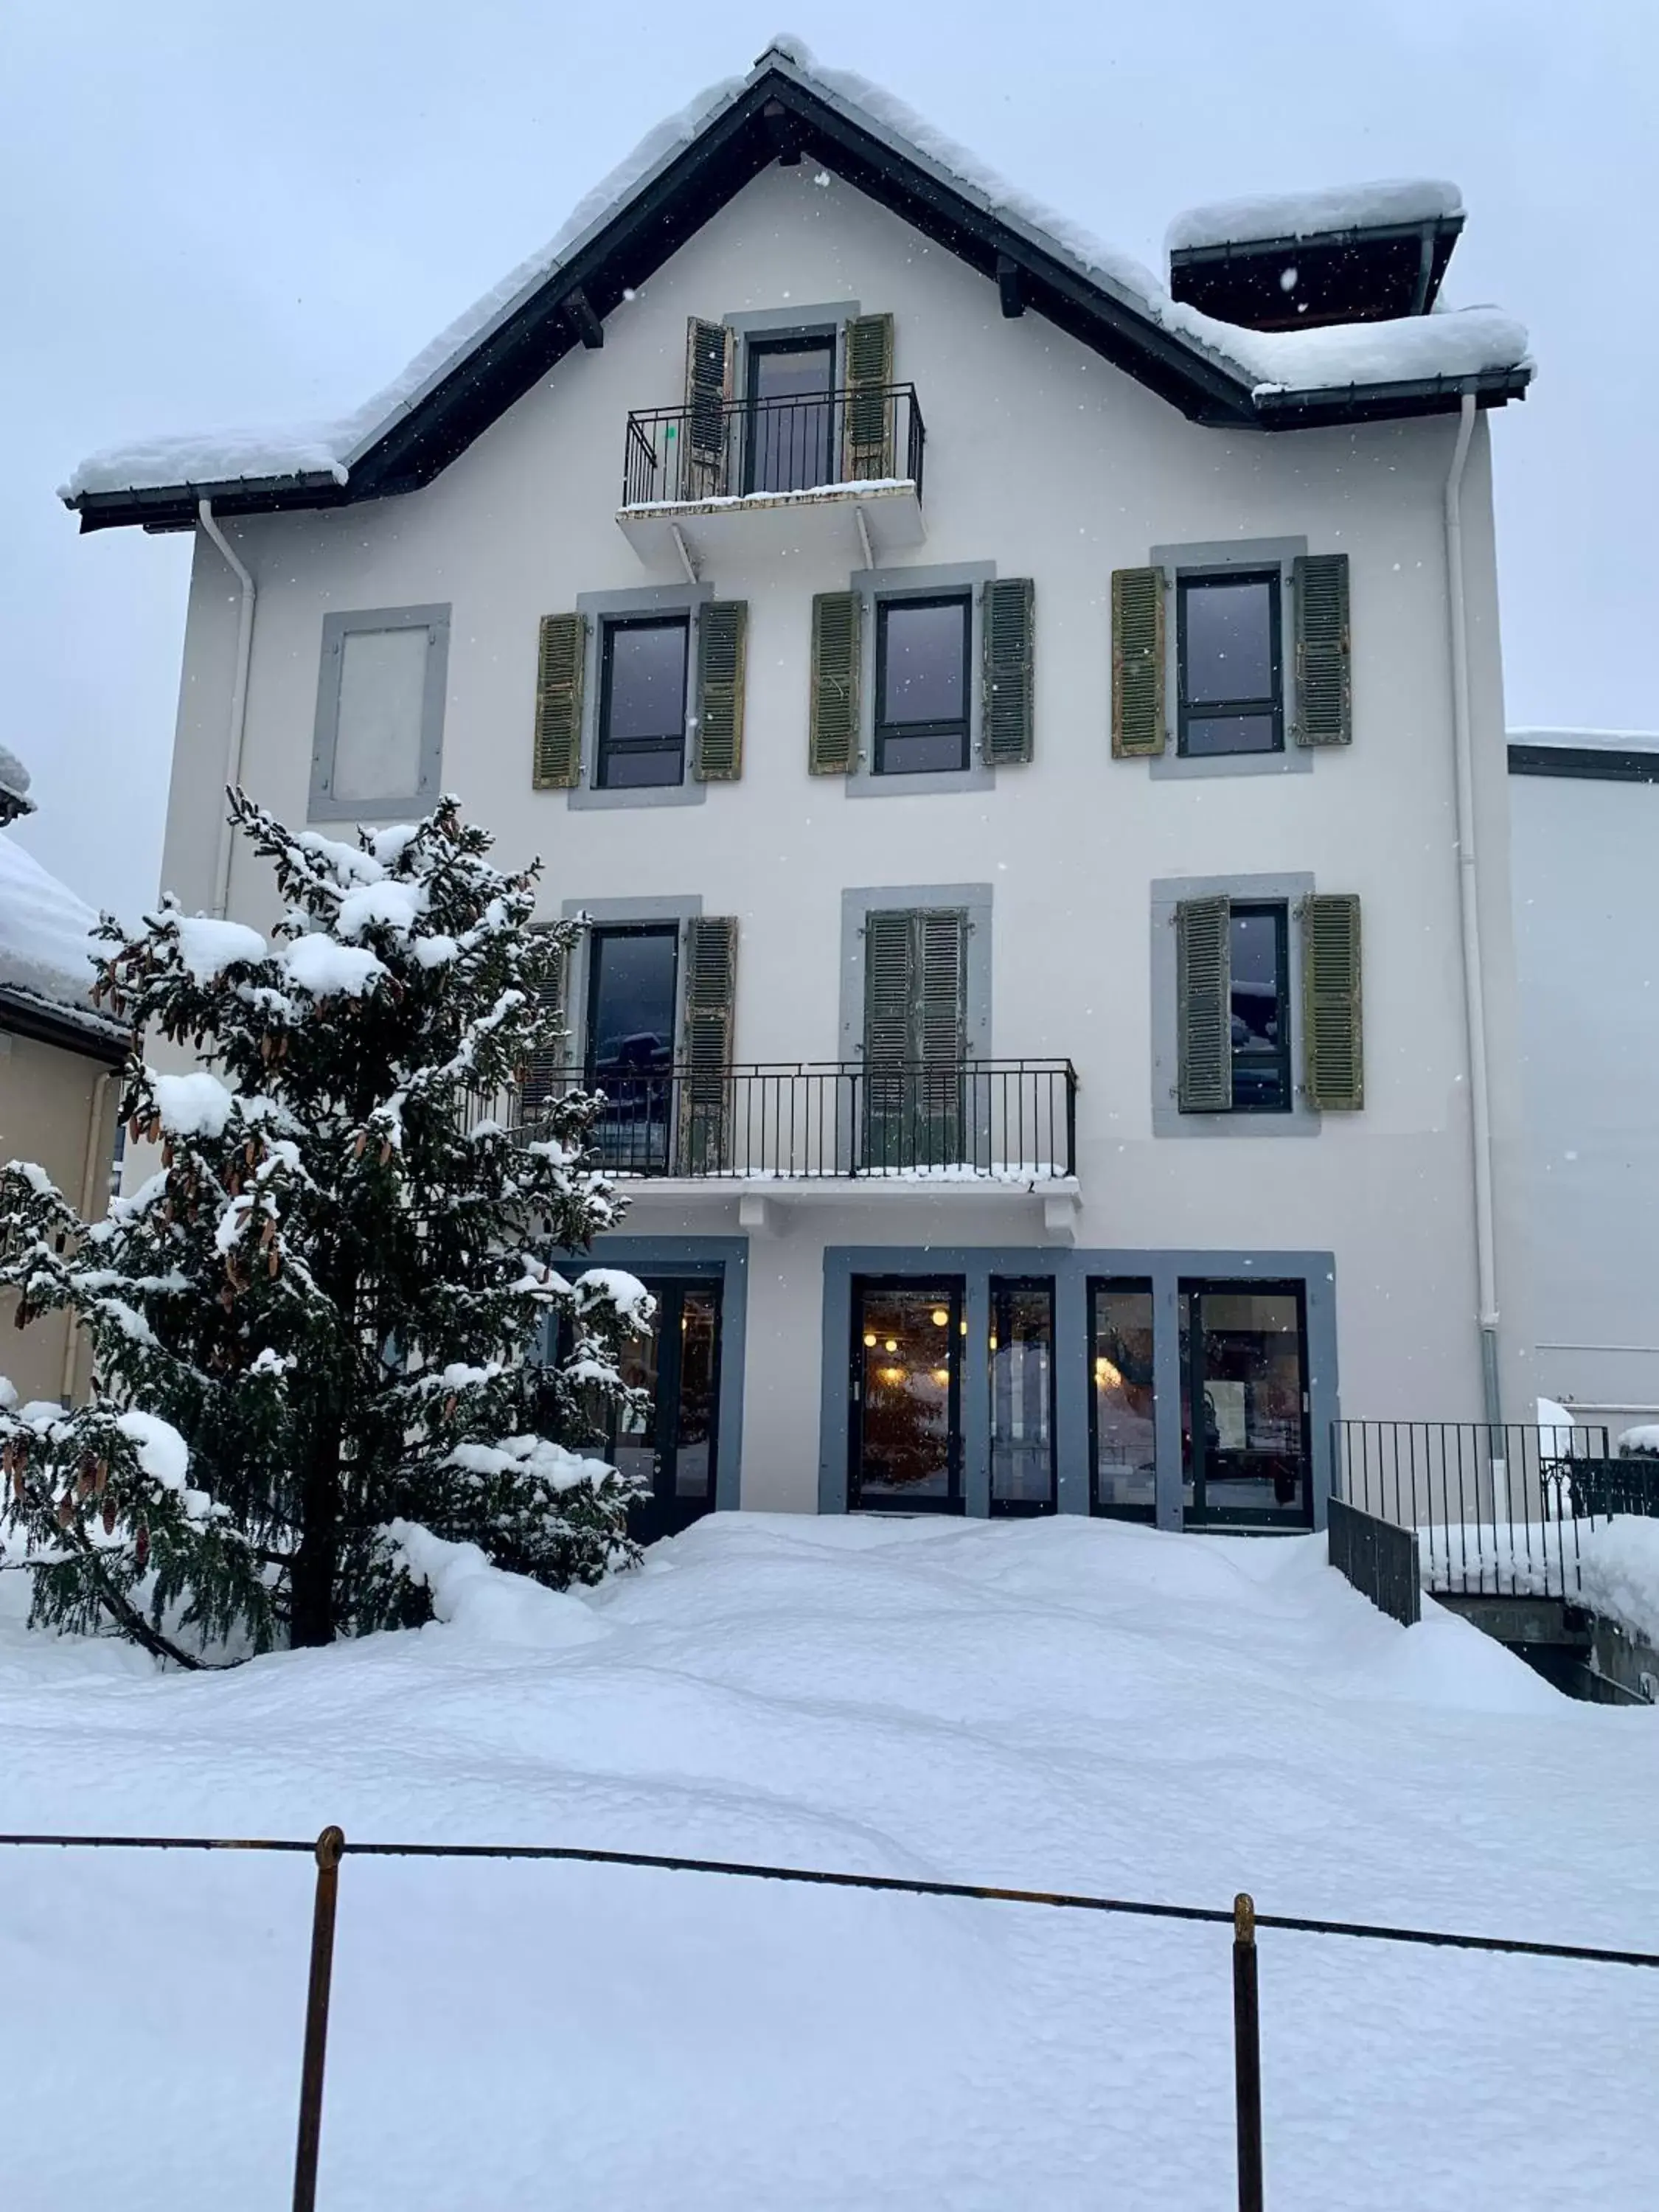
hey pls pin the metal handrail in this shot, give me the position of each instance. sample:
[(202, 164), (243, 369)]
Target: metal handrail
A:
[(739, 448)]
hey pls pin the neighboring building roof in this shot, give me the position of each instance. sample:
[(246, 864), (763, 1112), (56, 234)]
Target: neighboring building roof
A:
[(1599, 755), (683, 174), (1267, 215), (14, 786), (46, 954)]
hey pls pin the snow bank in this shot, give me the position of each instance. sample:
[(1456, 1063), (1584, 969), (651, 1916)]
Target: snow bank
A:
[(1619, 1572), (46, 931), (1305, 215), (475, 1600), (1644, 1438), (1450, 345)]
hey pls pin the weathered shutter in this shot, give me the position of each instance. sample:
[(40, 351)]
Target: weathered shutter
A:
[(709, 357), (1332, 1052), (1324, 701), (722, 648), (832, 737), (544, 1071), (1007, 617), (709, 989), (1204, 1013), (869, 429), (1136, 663), (558, 752), (914, 1037)]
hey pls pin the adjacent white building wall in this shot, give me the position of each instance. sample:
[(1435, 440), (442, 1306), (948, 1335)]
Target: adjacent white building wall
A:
[(1587, 940), (1046, 460)]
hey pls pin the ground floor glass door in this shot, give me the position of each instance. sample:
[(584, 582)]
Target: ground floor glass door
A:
[(1244, 1403), (672, 1442), (906, 1426)]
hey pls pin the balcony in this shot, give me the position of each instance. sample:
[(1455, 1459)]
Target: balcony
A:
[(751, 478), (804, 1132)]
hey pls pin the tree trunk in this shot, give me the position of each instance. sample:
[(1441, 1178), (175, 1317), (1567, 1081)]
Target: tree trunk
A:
[(314, 1576)]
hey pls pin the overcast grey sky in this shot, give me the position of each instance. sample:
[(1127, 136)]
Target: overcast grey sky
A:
[(250, 214)]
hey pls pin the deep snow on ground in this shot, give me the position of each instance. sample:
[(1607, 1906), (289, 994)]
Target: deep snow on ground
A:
[(1061, 1703)]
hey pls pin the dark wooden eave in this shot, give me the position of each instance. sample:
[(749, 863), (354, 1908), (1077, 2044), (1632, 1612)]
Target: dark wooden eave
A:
[(777, 115), (92, 1036)]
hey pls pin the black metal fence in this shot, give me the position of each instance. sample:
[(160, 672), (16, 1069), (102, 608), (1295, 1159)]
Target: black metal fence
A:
[(331, 1846), (1380, 1559), (1496, 1508), (1013, 1121), (736, 449)]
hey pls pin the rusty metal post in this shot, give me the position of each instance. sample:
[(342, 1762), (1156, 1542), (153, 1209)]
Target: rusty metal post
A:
[(1247, 2055), (330, 1847)]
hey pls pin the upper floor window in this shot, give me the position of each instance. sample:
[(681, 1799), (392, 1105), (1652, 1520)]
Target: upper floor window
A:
[(922, 688), (1260, 999), (789, 433), (379, 736), (1230, 665), (642, 731)]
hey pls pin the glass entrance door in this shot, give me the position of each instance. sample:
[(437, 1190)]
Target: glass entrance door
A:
[(671, 1440), (906, 1427), (1244, 1404)]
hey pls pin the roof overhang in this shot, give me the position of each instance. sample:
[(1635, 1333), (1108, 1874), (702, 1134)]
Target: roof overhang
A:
[(94, 1036), (780, 113)]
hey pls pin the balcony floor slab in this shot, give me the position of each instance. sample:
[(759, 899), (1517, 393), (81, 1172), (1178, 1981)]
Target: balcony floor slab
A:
[(729, 534)]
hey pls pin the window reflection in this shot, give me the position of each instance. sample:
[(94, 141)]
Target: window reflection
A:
[(1121, 1351)]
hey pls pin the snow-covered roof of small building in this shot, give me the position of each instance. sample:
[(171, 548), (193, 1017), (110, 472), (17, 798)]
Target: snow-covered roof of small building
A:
[(407, 432), (46, 951), (14, 786), (1314, 214)]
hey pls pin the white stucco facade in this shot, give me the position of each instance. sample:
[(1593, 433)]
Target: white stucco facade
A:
[(1048, 462)]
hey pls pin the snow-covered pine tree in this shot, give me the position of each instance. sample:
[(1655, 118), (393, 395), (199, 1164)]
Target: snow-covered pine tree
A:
[(328, 1290)]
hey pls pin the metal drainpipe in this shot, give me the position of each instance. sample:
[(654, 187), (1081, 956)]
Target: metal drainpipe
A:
[(238, 701), (89, 1168), (1474, 989)]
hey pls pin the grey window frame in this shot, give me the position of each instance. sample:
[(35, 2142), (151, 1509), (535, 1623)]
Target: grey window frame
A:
[(882, 732), (1222, 558), (619, 913), (605, 750), (597, 608), (935, 582), (322, 804), (1271, 704), (1167, 893)]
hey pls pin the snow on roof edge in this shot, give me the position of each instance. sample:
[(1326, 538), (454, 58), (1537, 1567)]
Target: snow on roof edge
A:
[(1261, 362), (1642, 741), (1260, 216)]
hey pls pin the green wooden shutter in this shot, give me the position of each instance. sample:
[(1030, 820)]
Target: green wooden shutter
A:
[(546, 1068), (869, 429), (1204, 1006), (722, 653), (833, 732), (1136, 663), (708, 993), (558, 759), (1007, 614), (1324, 701), (1332, 1049), (915, 1022), (709, 356)]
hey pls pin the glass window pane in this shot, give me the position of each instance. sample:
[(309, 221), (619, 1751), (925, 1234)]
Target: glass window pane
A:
[(1260, 1055), (933, 753), (1210, 734), (908, 1354), (647, 681), (924, 677), (1126, 1454), (1249, 1383), (631, 1002), (376, 744), (793, 372), (1227, 642), (694, 1465), (634, 1442), (1022, 1371)]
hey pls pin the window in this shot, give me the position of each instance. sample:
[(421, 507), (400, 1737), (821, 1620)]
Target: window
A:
[(1231, 690), (633, 984), (905, 1437), (379, 713), (1022, 1394), (790, 413), (1245, 1402), (922, 688), (1122, 1399), (1260, 994), (641, 739)]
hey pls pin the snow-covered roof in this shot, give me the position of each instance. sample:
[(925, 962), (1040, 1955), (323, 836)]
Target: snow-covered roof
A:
[(14, 786), (1613, 741), (1231, 367), (45, 937), (1314, 214)]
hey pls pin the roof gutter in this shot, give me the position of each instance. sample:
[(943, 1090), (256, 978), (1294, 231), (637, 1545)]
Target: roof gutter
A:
[(238, 731), (1468, 889)]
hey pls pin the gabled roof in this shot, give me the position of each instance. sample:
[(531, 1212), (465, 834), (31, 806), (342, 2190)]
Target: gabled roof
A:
[(787, 108)]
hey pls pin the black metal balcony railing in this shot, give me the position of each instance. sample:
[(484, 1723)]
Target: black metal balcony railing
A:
[(732, 449), (1004, 1121)]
